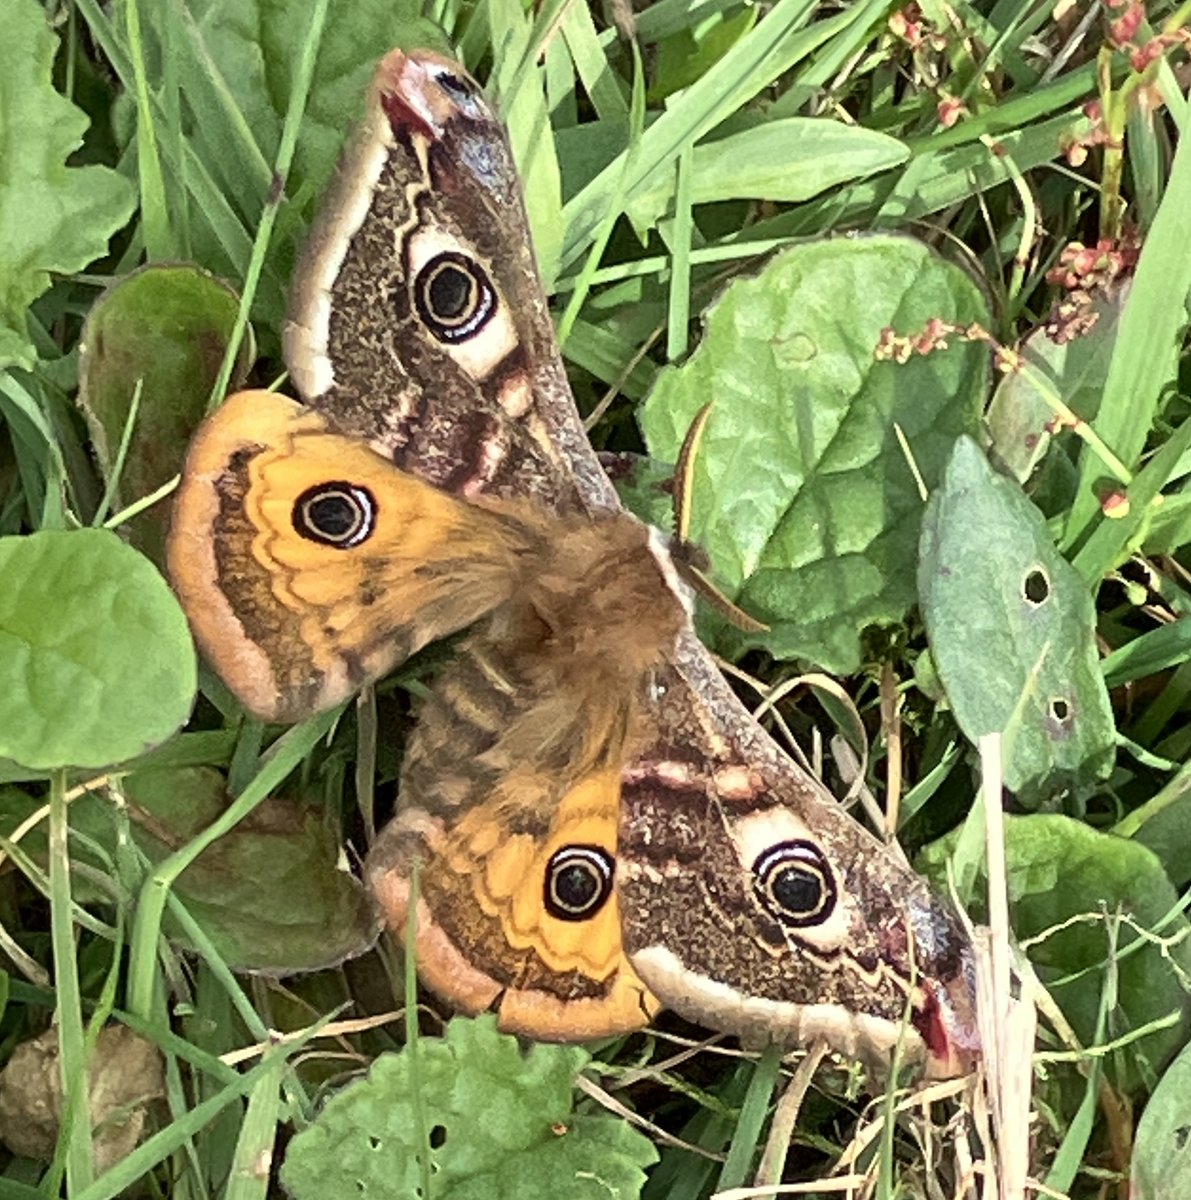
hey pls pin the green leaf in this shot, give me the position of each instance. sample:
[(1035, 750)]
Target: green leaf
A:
[(96, 661), (1145, 358), (165, 327), (791, 159), (803, 496), (1113, 540), (773, 46), (687, 55), (270, 894), (500, 1126), (1011, 626), (262, 42), (52, 217), (1059, 869), (1161, 1166)]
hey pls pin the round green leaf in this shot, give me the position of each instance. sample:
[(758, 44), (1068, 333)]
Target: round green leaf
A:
[(803, 495), (163, 328), (96, 661)]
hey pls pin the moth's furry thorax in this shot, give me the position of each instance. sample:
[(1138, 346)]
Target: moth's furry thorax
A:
[(600, 604)]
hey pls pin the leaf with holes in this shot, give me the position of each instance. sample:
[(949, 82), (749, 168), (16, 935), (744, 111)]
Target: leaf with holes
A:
[(1011, 626), (1161, 1166), (499, 1123), (804, 497)]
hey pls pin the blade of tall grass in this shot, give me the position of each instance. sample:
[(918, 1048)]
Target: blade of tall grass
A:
[(231, 141), (825, 66), (155, 220), (68, 1010), (285, 155), (670, 17), (161, 1145), (562, 99), (1145, 358), (188, 170), (1148, 654), (603, 232), (679, 309), (746, 1139), (39, 461), (1110, 541), (249, 1175), (606, 356), (600, 82), (772, 47)]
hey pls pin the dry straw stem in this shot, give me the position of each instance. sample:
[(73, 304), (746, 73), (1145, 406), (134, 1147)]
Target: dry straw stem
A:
[(891, 731), (845, 1184), (858, 736), (914, 1106), (606, 1100), (335, 1029), (1007, 1024)]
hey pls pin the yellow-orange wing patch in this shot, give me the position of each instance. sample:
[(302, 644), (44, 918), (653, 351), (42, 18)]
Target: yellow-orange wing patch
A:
[(517, 911), (308, 564)]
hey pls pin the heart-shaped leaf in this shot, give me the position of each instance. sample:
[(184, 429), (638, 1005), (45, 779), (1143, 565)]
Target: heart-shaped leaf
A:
[(804, 497)]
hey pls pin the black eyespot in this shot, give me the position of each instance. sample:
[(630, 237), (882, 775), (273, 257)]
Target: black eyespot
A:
[(457, 86), (578, 882), (336, 514), (794, 882), (454, 297)]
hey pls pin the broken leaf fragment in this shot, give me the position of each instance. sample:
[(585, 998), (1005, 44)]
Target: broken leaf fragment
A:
[(124, 1076)]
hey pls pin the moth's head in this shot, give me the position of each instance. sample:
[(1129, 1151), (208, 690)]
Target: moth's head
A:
[(665, 550)]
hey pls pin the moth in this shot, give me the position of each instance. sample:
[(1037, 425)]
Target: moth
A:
[(596, 824)]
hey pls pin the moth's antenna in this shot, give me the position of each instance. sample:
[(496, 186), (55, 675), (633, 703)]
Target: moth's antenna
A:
[(684, 474), (691, 560)]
